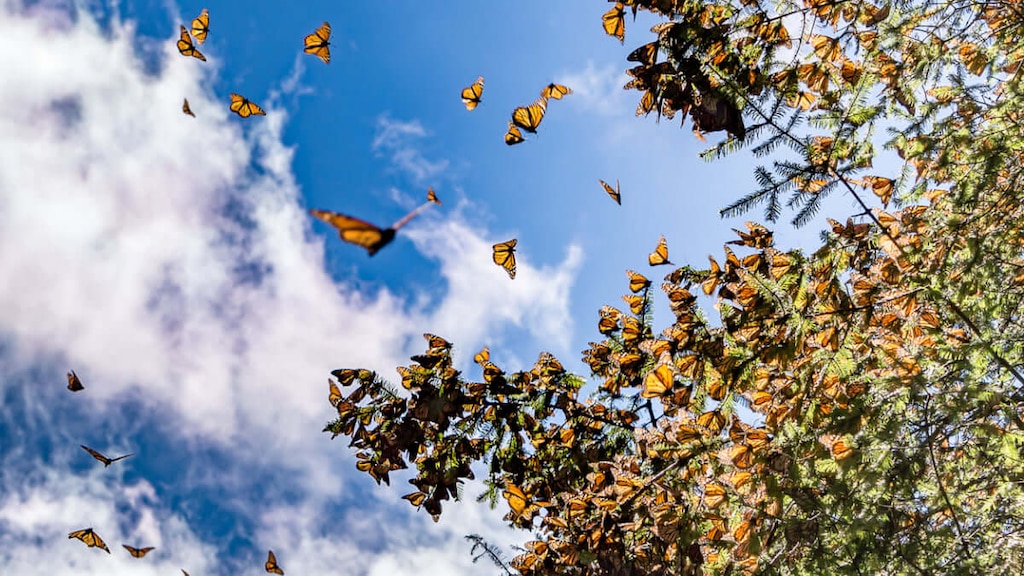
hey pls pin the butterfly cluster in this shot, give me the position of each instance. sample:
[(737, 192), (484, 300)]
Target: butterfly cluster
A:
[(318, 44), (90, 538)]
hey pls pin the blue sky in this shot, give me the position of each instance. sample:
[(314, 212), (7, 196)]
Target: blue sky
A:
[(170, 261)]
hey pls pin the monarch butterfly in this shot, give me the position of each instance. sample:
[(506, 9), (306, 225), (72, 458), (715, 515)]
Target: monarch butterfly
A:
[(74, 384), (244, 107), (513, 136), (528, 117), (483, 356), (335, 395), (201, 26), (137, 552), (505, 256), (435, 341), (637, 281), (660, 254), (362, 233), (614, 22), (187, 109), (317, 43), (613, 192), (432, 197), (646, 54), (183, 572), (520, 502), (471, 94), (416, 498), (271, 564), (106, 461), (91, 539), (555, 91), (186, 47), (658, 381)]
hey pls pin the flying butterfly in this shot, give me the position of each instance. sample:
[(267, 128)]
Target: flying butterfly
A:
[(74, 384), (483, 356), (317, 43), (201, 26), (244, 107), (614, 22), (362, 233), (432, 197), (555, 91), (471, 94), (660, 254), (186, 47), (106, 461), (528, 117), (613, 192), (271, 564), (137, 552), (505, 256), (187, 109), (513, 136), (91, 539)]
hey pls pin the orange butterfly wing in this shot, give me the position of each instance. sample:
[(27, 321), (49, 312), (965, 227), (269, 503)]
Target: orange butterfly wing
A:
[(318, 43), (186, 47), (90, 538), (505, 256), (356, 231), (471, 95), (555, 91), (137, 552), (201, 26), (513, 136), (613, 192), (187, 109), (244, 107), (74, 384), (271, 564)]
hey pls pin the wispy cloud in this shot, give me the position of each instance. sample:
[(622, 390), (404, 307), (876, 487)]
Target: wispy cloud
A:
[(170, 262), (397, 140), (599, 89)]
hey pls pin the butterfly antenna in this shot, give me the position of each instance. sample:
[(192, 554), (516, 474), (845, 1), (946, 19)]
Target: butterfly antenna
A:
[(405, 219)]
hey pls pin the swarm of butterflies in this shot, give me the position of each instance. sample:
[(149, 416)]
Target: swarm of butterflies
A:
[(89, 536), (369, 236)]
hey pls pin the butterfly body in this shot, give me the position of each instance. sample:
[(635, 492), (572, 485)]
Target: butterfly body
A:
[(318, 43), (90, 538), (98, 456)]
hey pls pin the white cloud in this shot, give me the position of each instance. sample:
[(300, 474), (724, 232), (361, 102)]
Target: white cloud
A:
[(397, 139), (599, 89), (140, 245)]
